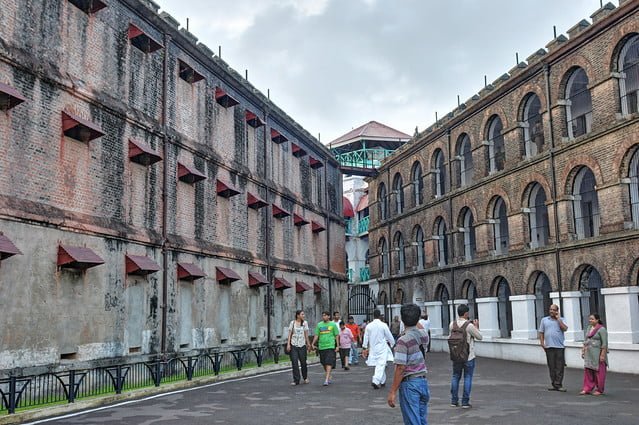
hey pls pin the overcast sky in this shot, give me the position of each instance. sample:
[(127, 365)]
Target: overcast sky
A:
[(334, 65)]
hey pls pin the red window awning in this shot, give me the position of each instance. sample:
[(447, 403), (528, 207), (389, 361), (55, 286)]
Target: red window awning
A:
[(257, 279), (302, 287), (187, 73), (315, 163), (88, 6), (142, 40), (189, 271), (140, 265), (316, 227), (254, 201), (317, 288), (363, 203), (299, 221), (279, 283), (347, 208), (80, 129), (253, 120), (224, 99), (225, 190), (189, 175), (7, 248), (279, 212), (225, 275), (297, 151), (277, 137), (142, 153), (9, 97), (77, 257)]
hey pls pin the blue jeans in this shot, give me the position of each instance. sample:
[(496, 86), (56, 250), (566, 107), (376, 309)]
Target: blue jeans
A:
[(413, 401), (468, 368), (354, 359)]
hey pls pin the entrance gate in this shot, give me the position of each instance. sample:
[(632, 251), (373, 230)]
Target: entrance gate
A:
[(361, 303)]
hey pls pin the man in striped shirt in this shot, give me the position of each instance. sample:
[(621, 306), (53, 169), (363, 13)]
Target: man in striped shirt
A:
[(410, 370)]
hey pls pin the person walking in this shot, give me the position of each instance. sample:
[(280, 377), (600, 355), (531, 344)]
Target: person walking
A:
[(327, 334), (595, 355), (345, 342), (551, 338), (378, 338), (297, 346), (467, 367), (354, 358), (410, 370), (396, 327), (425, 322)]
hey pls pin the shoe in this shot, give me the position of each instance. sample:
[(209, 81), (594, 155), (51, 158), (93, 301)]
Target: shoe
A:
[(466, 406), (325, 383), (382, 385), (597, 393), (375, 386), (584, 393), (347, 368), (306, 381), (295, 383), (552, 389), (561, 389), (454, 404)]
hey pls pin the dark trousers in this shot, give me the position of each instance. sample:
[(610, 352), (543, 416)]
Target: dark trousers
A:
[(298, 355), (343, 355), (556, 362)]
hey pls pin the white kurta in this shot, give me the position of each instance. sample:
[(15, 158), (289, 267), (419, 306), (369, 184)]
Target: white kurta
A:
[(377, 336)]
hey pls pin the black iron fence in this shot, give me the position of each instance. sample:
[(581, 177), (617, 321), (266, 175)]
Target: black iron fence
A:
[(20, 391)]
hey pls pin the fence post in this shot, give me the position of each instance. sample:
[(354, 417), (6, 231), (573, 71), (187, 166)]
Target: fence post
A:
[(189, 368), (158, 373), (71, 389), (12, 395)]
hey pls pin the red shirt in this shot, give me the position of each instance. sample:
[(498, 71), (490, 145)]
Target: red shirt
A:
[(354, 329)]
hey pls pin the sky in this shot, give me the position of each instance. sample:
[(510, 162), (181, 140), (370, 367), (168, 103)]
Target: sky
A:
[(333, 65)]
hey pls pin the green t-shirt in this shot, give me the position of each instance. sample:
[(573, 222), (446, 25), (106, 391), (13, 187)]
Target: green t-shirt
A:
[(326, 333)]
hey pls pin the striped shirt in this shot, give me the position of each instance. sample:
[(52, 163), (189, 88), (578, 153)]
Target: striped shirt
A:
[(407, 352)]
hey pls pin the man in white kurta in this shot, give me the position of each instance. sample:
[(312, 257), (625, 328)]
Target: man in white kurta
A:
[(377, 352)]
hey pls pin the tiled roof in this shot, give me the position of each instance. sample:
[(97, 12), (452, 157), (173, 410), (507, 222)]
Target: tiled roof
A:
[(371, 129)]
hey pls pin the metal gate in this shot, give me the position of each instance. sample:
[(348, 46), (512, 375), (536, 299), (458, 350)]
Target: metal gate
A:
[(361, 303)]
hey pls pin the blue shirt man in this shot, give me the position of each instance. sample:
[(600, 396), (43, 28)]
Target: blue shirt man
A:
[(551, 337)]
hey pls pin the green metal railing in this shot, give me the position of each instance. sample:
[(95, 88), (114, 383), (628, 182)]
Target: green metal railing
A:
[(348, 226), (362, 226), (362, 158), (351, 274), (364, 274)]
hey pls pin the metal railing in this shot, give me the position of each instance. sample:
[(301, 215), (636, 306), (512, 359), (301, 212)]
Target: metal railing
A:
[(348, 226), (362, 226), (362, 158), (351, 274), (364, 273)]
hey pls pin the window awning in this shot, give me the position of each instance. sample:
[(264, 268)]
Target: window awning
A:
[(225, 275), (224, 99), (279, 212), (225, 190), (189, 271), (363, 203), (254, 201), (140, 265), (316, 227), (317, 288), (257, 279), (80, 129), (297, 151), (277, 137), (189, 175), (299, 221), (302, 287), (142, 40), (315, 163), (88, 6), (9, 97), (7, 248), (77, 257), (188, 74), (253, 120), (347, 208), (142, 153), (279, 283)]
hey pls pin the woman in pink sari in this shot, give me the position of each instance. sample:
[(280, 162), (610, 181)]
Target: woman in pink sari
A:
[(595, 355)]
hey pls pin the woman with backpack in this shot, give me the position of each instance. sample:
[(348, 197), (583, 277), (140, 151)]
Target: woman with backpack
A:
[(595, 355)]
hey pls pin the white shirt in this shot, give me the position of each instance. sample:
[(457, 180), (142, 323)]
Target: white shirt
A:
[(377, 336), (425, 324)]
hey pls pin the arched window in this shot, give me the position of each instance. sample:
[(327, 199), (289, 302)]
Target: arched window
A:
[(542, 296), (539, 229), (382, 250), (398, 190), (496, 149), (471, 295), (585, 204), (465, 158), (439, 173), (504, 309), (442, 243), (578, 104), (592, 300), (398, 243), (444, 298), (500, 227), (419, 247), (533, 126), (629, 81), (418, 183), (381, 201), (468, 230), (633, 175)]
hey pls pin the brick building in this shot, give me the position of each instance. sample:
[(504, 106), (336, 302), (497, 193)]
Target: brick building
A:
[(528, 193), (151, 199)]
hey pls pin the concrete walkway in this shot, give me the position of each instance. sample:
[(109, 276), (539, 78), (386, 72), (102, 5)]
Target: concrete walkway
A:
[(503, 393)]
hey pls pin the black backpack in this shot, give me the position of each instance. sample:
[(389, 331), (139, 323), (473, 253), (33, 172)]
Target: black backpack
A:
[(458, 343)]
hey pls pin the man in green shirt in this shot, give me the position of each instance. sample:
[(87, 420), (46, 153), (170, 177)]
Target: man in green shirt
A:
[(327, 333)]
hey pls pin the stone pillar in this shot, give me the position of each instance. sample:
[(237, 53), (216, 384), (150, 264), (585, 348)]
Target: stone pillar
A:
[(489, 323), (571, 313), (435, 316), (523, 308), (395, 311), (622, 318)]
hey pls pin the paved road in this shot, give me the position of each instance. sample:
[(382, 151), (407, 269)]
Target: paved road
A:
[(503, 393)]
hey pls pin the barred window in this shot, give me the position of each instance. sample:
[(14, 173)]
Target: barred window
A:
[(439, 175), (400, 254), (533, 126), (633, 175), (419, 246), (585, 204), (465, 157), (542, 296), (538, 226), (468, 229), (398, 190), (418, 183), (496, 149), (442, 243), (500, 227), (504, 308), (578, 104), (381, 202), (628, 66)]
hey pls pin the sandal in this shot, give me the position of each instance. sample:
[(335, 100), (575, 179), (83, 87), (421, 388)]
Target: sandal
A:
[(597, 393), (584, 393)]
